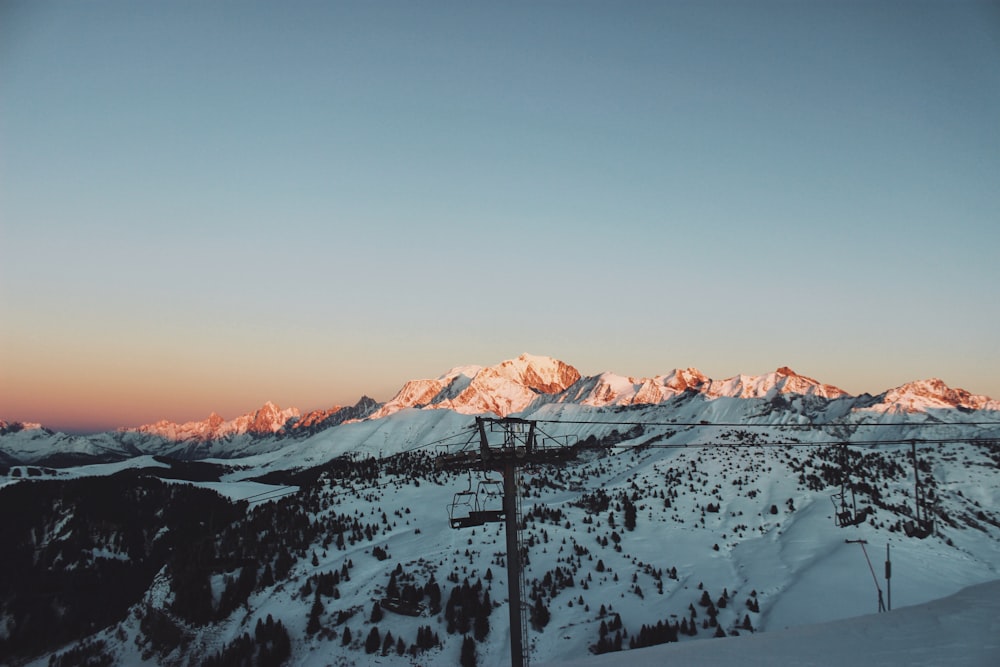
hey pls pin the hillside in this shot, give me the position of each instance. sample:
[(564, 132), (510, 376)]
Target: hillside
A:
[(961, 630), (707, 512)]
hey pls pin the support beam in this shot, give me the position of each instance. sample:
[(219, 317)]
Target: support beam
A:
[(513, 563)]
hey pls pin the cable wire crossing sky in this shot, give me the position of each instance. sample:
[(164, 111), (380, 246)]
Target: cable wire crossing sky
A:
[(204, 206)]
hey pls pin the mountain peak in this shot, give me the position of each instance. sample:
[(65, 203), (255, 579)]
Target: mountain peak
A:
[(17, 427), (542, 374), (509, 386), (319, 419), (266, 420), (929, 394), (782, 381), (613, 389)]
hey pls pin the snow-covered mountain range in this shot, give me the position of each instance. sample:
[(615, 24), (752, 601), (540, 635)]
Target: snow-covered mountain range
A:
[(526, 386), (693, 508)]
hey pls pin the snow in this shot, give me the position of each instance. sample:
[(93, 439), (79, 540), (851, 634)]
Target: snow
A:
[(814, 588), (807, 578), (960, 630), (255, 492), (21, 473), (802, 568)]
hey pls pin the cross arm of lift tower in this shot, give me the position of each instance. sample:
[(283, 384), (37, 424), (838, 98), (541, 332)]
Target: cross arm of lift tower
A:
[(505, 445), (506, 439)]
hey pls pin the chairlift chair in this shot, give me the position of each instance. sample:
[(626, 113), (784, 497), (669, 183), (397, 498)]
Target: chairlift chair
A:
[(847, 515), (462, 511), (475, 508), (919, 529), (489, 501)]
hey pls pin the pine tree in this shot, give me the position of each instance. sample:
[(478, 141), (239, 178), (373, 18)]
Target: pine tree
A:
[(433, 593), (630, 514), (373, 641), (539, 614), (283, 564), (481, 624), (267, 579), (312, 627), (468, 658)]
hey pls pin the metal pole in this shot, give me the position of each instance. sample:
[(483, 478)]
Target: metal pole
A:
[(881, 602), (513, 563), (888, 576), (916, 481)]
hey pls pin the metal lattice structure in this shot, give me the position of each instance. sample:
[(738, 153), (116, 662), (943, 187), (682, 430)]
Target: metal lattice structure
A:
[(505, 445)]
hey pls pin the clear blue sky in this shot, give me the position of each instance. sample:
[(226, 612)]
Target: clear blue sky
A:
[(204, 206)]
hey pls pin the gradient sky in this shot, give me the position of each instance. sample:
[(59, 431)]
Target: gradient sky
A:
[(204, 206)]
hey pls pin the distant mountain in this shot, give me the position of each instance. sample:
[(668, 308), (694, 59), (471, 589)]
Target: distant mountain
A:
[(268, 420), (509, 387), (16, 427), (932, 394), (530, 385), (317, 420)]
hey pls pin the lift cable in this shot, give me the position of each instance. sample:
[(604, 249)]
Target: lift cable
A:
[(280, 492), (795, 443), (810, 425)]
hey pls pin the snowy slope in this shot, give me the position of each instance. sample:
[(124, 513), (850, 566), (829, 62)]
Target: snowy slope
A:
[(794, 562), (962, 630), (734, 489)]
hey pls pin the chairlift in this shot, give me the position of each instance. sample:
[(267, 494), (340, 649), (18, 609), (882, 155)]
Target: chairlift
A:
[(489, 501), (475, 508), (462, 511), (845, 514), (922, 524), (919, 529)]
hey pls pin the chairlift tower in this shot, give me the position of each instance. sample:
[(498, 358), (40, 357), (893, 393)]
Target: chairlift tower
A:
[(518, 447)]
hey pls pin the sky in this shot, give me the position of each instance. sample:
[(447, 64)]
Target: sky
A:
[(205, 206)]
